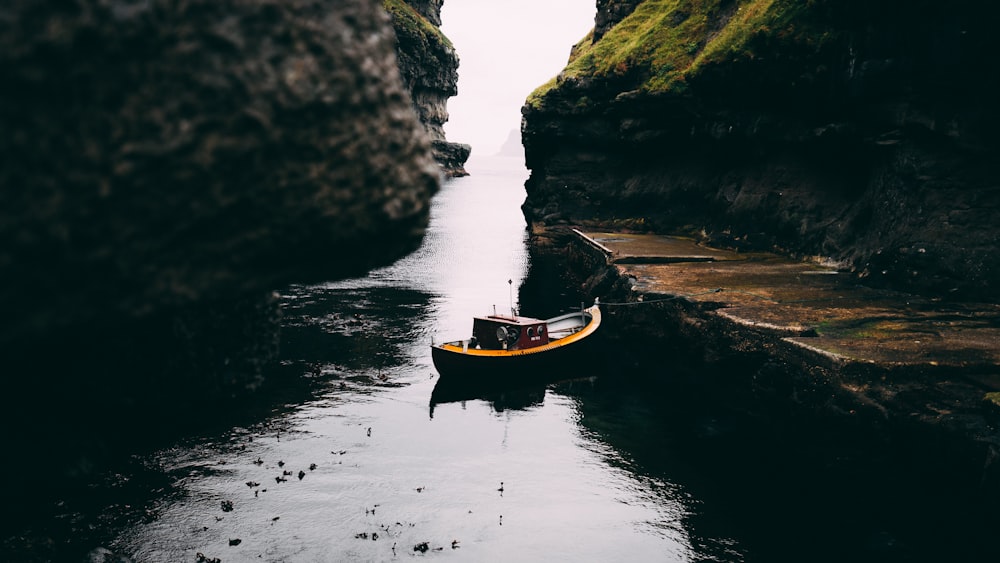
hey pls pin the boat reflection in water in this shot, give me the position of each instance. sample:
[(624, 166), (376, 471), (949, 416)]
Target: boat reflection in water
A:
[(510, 360), (500, 397)]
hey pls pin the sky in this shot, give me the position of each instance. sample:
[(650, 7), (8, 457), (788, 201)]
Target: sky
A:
[(506, 49)]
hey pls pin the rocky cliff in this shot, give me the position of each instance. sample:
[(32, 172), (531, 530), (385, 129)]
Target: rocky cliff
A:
[(857, 131), (167, 167), (429, 66)]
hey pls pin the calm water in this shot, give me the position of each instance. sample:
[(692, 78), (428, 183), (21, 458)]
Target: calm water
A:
[(381, 461), (372, 462)]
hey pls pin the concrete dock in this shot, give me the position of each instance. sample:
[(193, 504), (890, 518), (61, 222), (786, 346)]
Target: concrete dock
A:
[(817, 310)]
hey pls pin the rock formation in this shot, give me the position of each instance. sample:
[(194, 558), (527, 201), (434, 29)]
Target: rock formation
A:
[(168, 166), (512, 146), (429, 66), (856, 132), (609, 13)]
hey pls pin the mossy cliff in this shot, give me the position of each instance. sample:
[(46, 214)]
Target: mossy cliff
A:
[(863, 132), (429, 66)]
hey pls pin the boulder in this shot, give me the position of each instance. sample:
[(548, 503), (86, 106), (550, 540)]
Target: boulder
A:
[(169, 165)]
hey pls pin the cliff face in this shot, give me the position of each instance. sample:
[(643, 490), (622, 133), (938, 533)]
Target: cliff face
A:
[(852, 131), (167, 166), (429, 66)]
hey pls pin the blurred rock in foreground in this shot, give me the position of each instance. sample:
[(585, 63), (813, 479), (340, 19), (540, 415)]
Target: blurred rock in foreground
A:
[(168, 166)]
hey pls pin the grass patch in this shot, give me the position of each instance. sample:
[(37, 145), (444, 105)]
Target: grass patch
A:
[(405, 17), (664, 43), (535, 98)]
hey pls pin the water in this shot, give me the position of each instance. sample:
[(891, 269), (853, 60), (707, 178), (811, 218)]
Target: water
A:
[(603, 466), (391, 465)]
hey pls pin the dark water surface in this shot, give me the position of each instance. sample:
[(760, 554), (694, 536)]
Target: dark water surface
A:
[(379, 460), (368, 460)]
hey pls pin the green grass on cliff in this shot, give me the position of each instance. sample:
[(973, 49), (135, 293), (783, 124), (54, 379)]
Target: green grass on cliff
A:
[(403, 15), (665, 42)]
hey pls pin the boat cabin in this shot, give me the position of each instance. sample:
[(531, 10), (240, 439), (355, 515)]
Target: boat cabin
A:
[(497, 332)]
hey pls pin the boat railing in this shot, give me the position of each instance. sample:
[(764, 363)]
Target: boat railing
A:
[(562, 333)]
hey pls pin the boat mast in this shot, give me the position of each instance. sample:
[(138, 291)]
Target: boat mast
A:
[(510, 292)]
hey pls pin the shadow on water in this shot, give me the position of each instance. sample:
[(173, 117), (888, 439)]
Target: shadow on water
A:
[(766, 488), (353, 330), (90, 473)]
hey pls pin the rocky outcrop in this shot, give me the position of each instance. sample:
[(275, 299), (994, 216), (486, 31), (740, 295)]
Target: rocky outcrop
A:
[(452, 157), (856, 132), (167, 166), (609, 13), (429, 65), (512, 146)]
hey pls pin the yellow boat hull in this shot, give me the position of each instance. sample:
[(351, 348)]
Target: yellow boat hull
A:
[(459, 360)]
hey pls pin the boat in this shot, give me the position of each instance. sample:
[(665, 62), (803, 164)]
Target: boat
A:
[(512, 347)]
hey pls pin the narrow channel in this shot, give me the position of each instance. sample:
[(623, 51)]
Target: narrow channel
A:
[(604, 466)]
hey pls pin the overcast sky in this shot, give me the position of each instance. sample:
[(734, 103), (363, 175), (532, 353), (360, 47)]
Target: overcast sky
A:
[(506, 49)]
